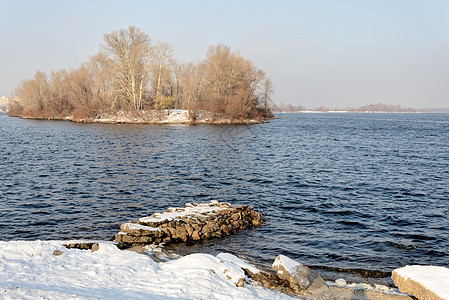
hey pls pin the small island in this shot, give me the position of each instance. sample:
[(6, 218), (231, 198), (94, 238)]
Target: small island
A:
[(133, 80)]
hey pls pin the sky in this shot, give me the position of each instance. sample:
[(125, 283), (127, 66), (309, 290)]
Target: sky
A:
[(336, 53)]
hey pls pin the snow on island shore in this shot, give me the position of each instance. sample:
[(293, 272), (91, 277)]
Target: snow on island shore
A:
[(47, 269), (157, 117)]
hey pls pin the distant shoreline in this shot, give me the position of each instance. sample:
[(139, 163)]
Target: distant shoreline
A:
[(359, 112), (369, 108)]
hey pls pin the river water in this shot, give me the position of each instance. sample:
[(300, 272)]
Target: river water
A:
[(352, 191)]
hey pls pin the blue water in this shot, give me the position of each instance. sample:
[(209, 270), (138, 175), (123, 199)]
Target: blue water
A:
[(367, 191)]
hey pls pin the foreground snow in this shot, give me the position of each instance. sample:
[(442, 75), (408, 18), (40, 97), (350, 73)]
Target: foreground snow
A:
[(30, 270)]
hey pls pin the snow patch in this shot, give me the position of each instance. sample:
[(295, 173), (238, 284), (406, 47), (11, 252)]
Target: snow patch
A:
[(289, 264), (232, 259), (434, 278)]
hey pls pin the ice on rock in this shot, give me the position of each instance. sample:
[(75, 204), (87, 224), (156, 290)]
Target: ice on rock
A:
[(340, 282)]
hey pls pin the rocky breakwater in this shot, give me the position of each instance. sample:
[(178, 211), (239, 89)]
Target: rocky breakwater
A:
[(192, 223)]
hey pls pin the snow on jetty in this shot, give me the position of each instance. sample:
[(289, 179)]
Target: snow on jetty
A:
[(192, 223)]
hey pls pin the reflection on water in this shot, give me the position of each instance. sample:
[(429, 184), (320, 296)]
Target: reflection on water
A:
[(362, 191)]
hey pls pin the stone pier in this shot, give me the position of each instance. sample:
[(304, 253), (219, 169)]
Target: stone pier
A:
[(192, 223)]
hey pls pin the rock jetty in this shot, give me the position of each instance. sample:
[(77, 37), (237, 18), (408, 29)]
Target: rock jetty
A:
[(193, 223)]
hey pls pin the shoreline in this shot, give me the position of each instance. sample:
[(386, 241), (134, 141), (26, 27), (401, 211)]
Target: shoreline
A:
[(99, 269), (121, 268), (153, 117)]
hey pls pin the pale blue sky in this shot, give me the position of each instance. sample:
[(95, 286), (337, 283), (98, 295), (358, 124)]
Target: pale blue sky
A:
[(336, 53)]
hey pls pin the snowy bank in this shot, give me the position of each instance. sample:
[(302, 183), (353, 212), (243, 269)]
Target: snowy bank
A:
[(30, 270), (50, 270)]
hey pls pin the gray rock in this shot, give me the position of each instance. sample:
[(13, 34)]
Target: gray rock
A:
[(302, 279)]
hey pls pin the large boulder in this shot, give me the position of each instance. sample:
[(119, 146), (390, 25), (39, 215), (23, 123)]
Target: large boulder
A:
[(423, 282), (302, 279)]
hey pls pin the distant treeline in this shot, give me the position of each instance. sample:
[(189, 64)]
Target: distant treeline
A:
[(385, 108), (131, 73), (366, 108), (287, 107)]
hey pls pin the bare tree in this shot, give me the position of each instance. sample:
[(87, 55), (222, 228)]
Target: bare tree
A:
[(193, 87), (232, 82), (252, 82), (82, 90), (99, 67), (267, 92), (129, 51), (33, 93), (58, 91), (161, 70), (177, 70)]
